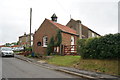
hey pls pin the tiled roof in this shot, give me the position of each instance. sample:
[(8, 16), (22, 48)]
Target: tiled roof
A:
[(25, 35), (2, 45), (90, 29), (15, 46), (84, 26), (63, 28)]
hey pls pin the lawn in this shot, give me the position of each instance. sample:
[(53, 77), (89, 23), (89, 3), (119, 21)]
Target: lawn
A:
[(104, 66), (64, 60)]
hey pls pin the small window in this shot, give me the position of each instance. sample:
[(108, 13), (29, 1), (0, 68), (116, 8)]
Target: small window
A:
[(39, 44), (45, 41)]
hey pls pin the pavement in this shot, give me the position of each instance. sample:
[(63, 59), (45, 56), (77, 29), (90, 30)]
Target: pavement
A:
[(20, 70), (82, 73)]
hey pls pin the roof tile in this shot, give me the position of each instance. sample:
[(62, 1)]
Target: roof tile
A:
[(63, 28)]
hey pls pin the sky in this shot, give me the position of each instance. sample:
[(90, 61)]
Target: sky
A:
[(99, 15)]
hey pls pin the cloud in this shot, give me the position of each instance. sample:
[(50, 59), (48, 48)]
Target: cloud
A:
[(100, 16)]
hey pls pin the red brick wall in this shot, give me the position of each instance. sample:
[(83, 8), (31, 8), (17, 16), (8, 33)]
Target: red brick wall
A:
[(66, 39), (46, 29), (49, 30)]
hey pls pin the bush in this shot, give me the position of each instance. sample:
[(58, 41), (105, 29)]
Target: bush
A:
[(50, 47), (58, 38), (105, 47), (81, 47), (37, 55), (28, 49)]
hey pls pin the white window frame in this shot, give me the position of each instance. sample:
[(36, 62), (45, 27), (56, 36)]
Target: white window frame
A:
[(45, 41), (72, 40)]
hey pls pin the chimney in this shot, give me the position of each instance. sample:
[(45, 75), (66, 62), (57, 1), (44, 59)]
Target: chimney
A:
[(24, 33), (79, 21)]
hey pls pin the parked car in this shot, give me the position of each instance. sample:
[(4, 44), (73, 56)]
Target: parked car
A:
[(6, 51), (17, 48)]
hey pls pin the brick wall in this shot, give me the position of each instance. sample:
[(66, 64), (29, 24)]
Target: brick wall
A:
[(24, 41), (73, 25), (85, 31), (66, 39), (49, 30), (46, 29)]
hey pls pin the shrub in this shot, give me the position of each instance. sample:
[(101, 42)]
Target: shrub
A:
[(81, 47), (50, 47), (58, 38), (105, 47), (28, 48), (38, 55)]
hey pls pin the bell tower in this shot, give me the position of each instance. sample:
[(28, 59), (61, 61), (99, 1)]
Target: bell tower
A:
[(54, 17)]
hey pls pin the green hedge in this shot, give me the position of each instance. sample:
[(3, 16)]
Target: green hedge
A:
[(104, 47)]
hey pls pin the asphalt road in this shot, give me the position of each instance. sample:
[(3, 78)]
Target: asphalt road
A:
[(15, 68)]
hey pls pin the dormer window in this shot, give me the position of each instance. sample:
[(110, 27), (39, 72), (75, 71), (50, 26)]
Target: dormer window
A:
[(45, 41)]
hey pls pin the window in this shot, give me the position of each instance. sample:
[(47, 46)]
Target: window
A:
[(39, 44), (27, 39), (72, 40), (31, 37), (45, 41)]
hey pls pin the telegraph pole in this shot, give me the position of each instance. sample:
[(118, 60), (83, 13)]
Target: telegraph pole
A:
[(30, 24)]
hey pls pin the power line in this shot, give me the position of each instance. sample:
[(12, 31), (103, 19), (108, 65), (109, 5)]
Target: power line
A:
[(63, 8)]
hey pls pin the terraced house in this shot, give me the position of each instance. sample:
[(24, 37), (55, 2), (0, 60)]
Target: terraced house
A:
[(70, 34), (82, 30), (24, 40)]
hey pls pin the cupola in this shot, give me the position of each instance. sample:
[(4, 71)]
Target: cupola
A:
[(54, 17)]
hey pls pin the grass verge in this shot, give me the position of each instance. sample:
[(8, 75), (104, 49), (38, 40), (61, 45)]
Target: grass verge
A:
[(64, 60), (104, 66)]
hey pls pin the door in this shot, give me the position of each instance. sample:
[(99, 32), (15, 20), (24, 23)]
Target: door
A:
[(72, 43)]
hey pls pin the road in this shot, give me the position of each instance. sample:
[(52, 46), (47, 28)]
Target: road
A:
[(15, 68)]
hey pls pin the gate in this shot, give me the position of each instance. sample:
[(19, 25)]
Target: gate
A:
[(70, 49)]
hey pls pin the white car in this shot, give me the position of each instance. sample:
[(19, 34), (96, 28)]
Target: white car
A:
[(6, 51), (18, 49)]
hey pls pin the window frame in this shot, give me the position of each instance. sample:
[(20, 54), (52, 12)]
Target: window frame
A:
[(45, 41)]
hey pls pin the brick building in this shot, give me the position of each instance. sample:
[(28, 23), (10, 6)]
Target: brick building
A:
[(24, 40), (48, 29), (82, 30), (73, 31)]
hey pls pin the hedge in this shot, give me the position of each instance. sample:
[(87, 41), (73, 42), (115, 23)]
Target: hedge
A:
[(104, 47)]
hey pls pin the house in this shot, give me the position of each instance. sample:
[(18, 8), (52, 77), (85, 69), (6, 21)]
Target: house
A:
[(73, 31), (82, 30), (48, 29), (24, 40), (2, 46)]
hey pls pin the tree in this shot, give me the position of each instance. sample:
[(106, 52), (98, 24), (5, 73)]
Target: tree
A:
[(50, 47), (7, 44), (58, 38)]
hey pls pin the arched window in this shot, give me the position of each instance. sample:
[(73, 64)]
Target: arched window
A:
[(45, 41)]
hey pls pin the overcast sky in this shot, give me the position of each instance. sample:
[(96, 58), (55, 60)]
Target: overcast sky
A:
[(99, 15)]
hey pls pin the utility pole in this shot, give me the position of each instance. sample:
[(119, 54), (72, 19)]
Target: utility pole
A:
[(30, 24)]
